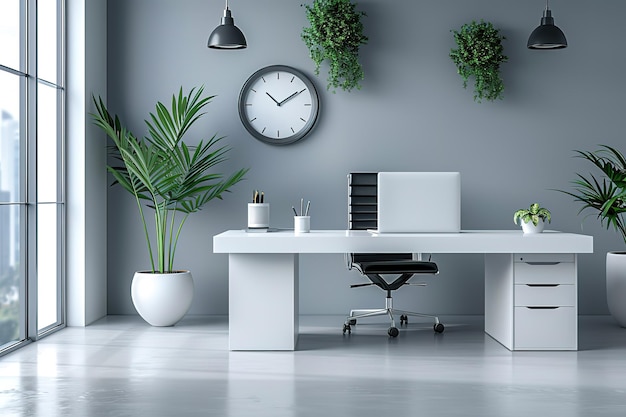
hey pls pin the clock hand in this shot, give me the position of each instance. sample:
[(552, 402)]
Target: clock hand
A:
[(275, 101), (291, 96)]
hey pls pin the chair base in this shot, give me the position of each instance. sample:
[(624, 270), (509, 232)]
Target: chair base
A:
[(438, 327)]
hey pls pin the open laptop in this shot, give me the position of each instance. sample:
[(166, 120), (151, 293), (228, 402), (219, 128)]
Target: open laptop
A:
[(419, 202)]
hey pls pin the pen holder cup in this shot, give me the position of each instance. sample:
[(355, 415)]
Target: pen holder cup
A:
[(301, 224), (258, 215)]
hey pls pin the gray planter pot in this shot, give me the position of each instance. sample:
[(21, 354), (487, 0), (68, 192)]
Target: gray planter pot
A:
[(616, 285)]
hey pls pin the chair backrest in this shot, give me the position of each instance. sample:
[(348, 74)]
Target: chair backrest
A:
[(363, 213)]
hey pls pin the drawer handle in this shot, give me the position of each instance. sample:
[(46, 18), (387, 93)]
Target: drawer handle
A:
[(543, 285), (542, 308), (543, 263)]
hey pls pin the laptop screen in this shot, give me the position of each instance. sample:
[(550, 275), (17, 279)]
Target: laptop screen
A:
[(419, 202)]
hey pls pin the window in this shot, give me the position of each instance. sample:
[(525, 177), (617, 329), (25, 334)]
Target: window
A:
[(31, 170)]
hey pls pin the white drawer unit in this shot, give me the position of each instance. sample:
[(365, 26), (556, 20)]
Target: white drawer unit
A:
[(541, 269), (558, 273), (531, 300), (546, 328), (545, 298), (545, 295)]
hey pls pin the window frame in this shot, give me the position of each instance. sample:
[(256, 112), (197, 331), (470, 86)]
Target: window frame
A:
[(28, 201)]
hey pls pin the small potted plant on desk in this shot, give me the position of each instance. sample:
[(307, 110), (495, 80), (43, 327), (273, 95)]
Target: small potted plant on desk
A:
[(532, 219), (171, 178), (607, 197)]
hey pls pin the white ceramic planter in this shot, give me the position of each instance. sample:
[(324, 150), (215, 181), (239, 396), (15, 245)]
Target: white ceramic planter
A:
[(531, 228), (616, 285), (162, 299)]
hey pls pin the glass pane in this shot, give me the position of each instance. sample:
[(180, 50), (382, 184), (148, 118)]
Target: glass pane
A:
[(9, 137), (47, 265), (47, 144), (10, 33), (10, 275), (47, 50)]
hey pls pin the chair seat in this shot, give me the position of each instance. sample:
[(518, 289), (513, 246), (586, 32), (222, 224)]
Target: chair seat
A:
[(399, 267)]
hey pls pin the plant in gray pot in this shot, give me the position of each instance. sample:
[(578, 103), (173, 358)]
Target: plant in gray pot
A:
[(478, 55), (170, 179), (335, 35), (606, 196)]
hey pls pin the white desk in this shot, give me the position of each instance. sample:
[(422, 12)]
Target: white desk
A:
[(530, 281)]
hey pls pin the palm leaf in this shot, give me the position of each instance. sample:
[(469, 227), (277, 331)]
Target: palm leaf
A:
[(606, 196), (162, 169)]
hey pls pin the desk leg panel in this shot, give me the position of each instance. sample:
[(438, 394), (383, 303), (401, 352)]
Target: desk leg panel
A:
[(499, 298), (263, 301)]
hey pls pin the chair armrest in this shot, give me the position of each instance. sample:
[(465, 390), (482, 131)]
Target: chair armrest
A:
[(348, 259), (350, 264)]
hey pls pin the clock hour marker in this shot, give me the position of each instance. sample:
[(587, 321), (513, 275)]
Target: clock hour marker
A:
[(278, 133), (307, 104), (248, 104), (263, 131), (293, 131), (303, 120), (252, 89), (252, 120), (263, 78), (278, 75), (292, 78)]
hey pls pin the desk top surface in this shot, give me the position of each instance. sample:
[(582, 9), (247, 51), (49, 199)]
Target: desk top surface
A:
[(345, 241)]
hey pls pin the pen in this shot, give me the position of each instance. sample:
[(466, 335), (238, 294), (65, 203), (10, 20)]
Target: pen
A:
[(294, 210), (308, 204), (262, 196)]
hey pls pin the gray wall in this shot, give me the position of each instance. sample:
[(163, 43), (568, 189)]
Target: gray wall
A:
[(412, 114)]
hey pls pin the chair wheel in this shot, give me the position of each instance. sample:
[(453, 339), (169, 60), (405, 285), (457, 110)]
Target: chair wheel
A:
[(404, 319), (393, 331), (346, 328), (352, 322), (438, 328)]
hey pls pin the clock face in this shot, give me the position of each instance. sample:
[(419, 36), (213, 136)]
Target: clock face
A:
[(278, 105)]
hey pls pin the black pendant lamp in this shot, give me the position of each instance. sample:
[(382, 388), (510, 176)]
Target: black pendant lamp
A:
[(547, 35), (227, 35)]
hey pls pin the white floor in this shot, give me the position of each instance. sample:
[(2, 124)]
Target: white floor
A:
[(121, 366)]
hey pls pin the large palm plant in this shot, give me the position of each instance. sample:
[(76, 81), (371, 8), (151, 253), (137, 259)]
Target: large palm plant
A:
[(165, 174), (607, 195)]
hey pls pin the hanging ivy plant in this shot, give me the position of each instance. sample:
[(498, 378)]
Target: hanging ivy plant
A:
[(479, 54), (335, 35)]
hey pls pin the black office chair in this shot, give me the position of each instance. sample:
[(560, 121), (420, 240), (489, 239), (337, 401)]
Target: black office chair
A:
[(363, 213)]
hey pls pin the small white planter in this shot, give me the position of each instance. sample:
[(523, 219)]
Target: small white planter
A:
[(530, 228), (616, 285), (162, 299)]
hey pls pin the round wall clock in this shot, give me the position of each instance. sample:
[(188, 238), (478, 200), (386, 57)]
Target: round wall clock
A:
[(278, 105)]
